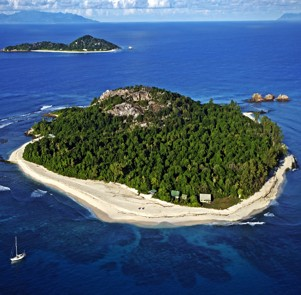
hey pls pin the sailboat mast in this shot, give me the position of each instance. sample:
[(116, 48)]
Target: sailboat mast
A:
[(16, 244)]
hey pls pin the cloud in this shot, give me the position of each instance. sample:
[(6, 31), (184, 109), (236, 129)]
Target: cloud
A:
[(210, 8), (147, 4)]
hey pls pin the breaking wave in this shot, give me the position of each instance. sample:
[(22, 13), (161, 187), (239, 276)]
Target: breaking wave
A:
[(46, 107), (252, 223), (5, 124), (4, 188), (38, 193), (269, 214), (274, 203)]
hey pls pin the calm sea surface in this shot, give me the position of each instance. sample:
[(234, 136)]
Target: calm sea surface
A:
[(69, 250)]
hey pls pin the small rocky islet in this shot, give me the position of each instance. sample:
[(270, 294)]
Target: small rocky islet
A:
[(257, 97), (86, 43)]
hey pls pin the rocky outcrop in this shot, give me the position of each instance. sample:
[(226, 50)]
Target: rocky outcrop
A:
[(127, 94), (282, 97), (29, 132), (130, 101), (257, 97), (269, 97), (126, 109)]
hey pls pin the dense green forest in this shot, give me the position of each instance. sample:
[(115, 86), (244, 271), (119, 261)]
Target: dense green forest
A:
[(85, 43), (165, 142)]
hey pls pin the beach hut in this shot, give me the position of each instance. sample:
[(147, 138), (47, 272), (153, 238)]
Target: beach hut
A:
[(205, 198), (175, 194), (152, 192), (184, 197)]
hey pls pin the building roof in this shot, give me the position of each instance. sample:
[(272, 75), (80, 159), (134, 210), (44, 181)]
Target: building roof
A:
[(175, 193), (205, 197)]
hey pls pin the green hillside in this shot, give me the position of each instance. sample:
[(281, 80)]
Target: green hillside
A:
[(150, 138), (85, 43)]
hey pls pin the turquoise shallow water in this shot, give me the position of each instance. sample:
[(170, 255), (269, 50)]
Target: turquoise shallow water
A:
[(69, 250)]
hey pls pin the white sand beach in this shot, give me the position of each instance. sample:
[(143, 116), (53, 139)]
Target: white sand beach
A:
[(249, 115), (117, 203), (73, 51)]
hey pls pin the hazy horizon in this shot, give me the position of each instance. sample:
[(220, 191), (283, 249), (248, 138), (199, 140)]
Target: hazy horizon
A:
[(160, 10)]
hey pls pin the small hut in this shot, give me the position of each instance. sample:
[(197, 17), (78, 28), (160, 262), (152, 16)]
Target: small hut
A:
[(205, 198), (184, 197), (152, 192), (175, 194)]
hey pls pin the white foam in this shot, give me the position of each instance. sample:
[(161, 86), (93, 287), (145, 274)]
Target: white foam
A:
[(274, 203), (252, 223), (4, 188), (46, 107), (38, 193), (5, 124), (58, 108), (269, 214), (25, 115)]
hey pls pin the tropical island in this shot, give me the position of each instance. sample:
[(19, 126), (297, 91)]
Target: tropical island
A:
[(41, 17), (293, 17), (146, 155), (83, 44)]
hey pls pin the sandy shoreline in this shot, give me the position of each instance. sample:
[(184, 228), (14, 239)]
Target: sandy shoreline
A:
[(61, 51), (73, 51), (118, 203)]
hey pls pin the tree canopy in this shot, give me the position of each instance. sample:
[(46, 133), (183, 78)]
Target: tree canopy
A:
[(165, 142), (85, 43)]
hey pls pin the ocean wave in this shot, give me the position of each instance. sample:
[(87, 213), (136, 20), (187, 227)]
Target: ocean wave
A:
[(252, 223), (46, 107), (6, 218), (26, 115), (90, 214), (58, 108), (5, 124), (274, 203), (38, 193), (269, 214), (4, 188)]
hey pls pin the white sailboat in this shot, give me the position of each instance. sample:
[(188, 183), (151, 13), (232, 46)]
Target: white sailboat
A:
[(17, 257)]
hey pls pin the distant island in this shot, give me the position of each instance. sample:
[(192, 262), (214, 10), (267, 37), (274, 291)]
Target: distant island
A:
[(86, 43), (161, 143), (290, 17), (38, 17)]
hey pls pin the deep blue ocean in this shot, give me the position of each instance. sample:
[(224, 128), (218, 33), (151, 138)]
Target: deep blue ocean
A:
[(69, 251)]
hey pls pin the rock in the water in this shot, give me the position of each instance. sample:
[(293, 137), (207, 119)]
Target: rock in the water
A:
[(269, 97), (256, 97), (282, 97)]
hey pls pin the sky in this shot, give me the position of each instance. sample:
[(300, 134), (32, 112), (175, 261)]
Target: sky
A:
[(160, 10)]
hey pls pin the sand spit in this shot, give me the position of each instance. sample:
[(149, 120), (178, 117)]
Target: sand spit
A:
[(113, 202)]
